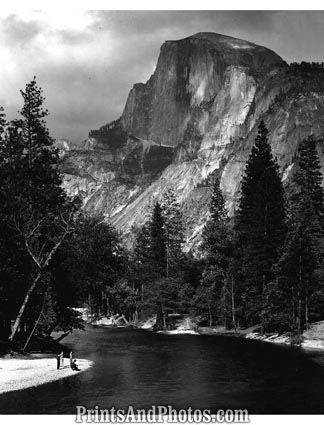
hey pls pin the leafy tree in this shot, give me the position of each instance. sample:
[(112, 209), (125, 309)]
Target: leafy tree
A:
[(89, 263), (206, 297), (260, 223)]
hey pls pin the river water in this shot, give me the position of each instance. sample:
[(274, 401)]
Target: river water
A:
[(140, 368)]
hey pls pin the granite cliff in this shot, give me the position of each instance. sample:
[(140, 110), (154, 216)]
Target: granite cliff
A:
[(196, 116)]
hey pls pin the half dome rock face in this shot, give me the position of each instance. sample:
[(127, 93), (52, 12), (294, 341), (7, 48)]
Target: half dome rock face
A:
[(191, 72), (196, 117)]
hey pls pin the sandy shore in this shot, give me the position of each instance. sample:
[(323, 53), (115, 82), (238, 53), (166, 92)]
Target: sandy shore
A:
[(307, 343), (313, 338), (18, 374)]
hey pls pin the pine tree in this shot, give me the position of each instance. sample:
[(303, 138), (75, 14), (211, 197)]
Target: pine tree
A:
[(260, 223), (174, 232), (35, 205), (158, 264), (298, 270), (158, 241), (307, 179), (217, 206), (143, 273), (218, 250), (3, 123)]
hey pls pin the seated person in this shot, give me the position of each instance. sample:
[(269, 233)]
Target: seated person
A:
[(74, 366)]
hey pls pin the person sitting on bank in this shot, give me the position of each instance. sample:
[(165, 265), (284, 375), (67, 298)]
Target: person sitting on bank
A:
[(74, 366)]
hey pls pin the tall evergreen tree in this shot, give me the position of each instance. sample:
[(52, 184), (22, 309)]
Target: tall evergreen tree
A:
[(158, 241), (217, 289), (2, 122), (217, 205), (159, 257), (297, 288), (307, 179), (36, 207), (174, 231), (260, 223), (141, 262)]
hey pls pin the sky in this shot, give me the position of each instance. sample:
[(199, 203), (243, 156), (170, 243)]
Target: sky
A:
[(87, 61)]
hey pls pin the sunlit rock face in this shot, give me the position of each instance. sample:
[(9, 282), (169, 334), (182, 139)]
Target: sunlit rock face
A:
[(196, 116), (190, 72)]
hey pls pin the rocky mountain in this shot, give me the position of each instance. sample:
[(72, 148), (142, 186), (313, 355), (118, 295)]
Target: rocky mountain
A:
[(196, 117)]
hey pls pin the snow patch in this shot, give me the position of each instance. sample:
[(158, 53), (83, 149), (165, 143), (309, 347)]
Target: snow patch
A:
[(179, 332), (240, 46), (149, 323)]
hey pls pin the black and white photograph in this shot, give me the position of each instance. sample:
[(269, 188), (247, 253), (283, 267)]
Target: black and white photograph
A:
[(161, 215)]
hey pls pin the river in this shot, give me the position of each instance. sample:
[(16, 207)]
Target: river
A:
[(141, 368)]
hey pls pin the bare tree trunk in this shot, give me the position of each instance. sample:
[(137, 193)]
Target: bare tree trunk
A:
[(90, 304), (23, 306), (41, 267), (135, 319), (34, 328), (306, 306), (125, 320), (142, 301), (210, 316), (299, 302), (167, 264), (167, 253), (299, 320), (233, 304), (293, 313), (159, 324), (262, 304), (224, 304)]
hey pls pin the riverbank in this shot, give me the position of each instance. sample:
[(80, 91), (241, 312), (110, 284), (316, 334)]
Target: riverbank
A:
[(18, 374), (312, 339)]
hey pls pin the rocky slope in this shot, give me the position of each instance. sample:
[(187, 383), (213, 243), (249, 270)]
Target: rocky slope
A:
[(196, 116)]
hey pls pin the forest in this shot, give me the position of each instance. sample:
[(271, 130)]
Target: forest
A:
[(264, 266)]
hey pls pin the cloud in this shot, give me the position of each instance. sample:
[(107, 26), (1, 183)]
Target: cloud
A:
[(16, 32), (87, 61)]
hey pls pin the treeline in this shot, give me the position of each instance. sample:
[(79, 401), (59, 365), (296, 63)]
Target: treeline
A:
[(263, 267), (112, 135), (307, 66)]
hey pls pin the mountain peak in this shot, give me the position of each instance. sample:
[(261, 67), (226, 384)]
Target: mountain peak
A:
[(234, 51), (224, 40)]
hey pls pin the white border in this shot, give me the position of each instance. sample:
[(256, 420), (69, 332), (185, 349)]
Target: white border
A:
[(164, 5), (161, 5)]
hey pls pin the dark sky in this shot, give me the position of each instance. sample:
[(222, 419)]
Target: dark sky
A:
[(87, 61)]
